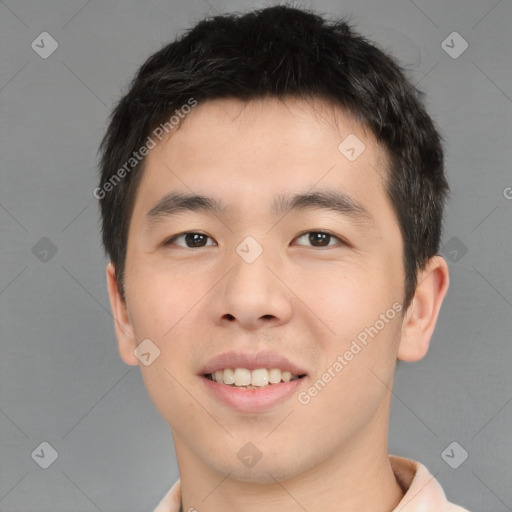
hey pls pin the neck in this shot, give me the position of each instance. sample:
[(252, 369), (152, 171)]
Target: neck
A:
[(351, 480)]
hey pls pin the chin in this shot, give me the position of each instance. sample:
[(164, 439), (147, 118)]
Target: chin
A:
[(267, 470), (262, 474)]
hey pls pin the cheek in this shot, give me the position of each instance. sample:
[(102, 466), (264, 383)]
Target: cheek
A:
[(158, 299), (360, 307), (162, 311), (356, 378), (347, 298)]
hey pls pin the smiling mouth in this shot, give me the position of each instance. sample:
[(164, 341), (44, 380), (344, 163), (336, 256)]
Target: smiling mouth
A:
[(244, 378)]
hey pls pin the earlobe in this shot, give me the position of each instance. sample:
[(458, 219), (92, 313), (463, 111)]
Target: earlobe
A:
[(122, 323), (421, 316)]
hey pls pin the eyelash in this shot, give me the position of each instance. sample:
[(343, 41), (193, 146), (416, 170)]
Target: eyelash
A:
[(343, 242)]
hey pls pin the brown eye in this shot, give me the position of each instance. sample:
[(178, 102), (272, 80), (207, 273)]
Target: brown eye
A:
[(191, 239), (320, 238)]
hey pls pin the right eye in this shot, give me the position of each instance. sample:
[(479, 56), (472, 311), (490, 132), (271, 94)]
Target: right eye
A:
[(191, 239)]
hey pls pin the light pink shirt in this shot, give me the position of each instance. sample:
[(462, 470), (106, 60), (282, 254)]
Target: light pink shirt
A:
[(423, 493)]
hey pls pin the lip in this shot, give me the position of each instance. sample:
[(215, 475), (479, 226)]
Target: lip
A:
[(251, 361), (257, 399), (252, 400)]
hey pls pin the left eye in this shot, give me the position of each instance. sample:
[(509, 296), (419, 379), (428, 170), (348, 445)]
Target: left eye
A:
[(320, 237), (316, 238)]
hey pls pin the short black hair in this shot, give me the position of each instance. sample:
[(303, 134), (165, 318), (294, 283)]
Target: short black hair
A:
[(280, 52)]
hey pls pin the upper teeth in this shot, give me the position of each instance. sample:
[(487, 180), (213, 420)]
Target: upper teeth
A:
[(259, 377)]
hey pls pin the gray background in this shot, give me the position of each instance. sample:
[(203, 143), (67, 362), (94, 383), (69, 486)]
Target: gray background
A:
[(62, 381)]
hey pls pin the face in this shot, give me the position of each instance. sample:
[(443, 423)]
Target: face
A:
[(312, 286)]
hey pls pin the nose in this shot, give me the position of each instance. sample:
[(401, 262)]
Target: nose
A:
[(254, 294)]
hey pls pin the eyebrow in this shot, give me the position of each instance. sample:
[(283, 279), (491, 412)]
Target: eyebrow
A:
[(330, 200)]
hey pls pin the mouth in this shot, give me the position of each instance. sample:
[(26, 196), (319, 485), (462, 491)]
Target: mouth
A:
[(252, 382), (258, 378)]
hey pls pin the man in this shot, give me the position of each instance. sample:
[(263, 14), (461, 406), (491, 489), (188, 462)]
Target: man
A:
[(272, 193)]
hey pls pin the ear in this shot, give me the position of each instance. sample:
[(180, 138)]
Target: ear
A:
[(123, 326), (421, 316)]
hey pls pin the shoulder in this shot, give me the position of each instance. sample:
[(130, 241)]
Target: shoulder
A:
[(171, 502)]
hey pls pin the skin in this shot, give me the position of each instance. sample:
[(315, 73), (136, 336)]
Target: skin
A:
[(306, 301)]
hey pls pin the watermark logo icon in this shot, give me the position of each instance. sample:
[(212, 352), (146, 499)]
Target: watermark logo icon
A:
[(249, 455), (454, 455), (44, 455), (454, 250), (454, 45), (351, 147), (44, 250), (146, 352), (44, 45), (249, 249)]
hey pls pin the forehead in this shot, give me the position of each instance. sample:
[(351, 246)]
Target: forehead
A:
[(252, 152)]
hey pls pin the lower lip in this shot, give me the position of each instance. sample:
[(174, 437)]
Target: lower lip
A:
[(253, 400)]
